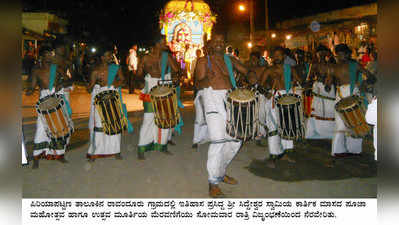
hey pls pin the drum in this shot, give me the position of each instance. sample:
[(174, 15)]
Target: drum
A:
[(109, 107), (290, 117), (242, 113), (352, 112), (53, 113), (164, 103)]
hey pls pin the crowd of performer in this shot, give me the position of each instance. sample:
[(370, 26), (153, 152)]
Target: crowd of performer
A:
[(320, 82)]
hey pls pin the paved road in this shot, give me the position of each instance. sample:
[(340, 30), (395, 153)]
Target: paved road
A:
[(182, 175)]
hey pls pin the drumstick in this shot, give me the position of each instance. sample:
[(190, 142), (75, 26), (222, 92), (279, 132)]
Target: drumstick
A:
[(310, 68)]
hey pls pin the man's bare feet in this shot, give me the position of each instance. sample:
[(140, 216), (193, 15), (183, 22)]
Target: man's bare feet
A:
[(167, 152), (118, 156), (215, 191), (229, 180), (91, 159), (271, 163), (287, 158), (63, 160), (35, 164), (140, 155)]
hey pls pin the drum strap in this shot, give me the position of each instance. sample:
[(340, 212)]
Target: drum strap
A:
[(287, 77), (229, 65), (53, 70), (112, 71)]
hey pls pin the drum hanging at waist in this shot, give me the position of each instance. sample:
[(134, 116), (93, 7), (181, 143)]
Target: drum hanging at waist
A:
[(290, 116), (164, 103), (53, 113), (109, 107), (352, 112), (242, 113)]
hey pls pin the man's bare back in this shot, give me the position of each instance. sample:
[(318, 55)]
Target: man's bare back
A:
[(152, 65)]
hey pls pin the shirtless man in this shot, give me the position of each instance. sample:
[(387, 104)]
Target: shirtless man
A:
[(49, 82), (347, 74), (280, 84), (255, 64), (151, 137), (105, 76), (212, 71), (321, 124)]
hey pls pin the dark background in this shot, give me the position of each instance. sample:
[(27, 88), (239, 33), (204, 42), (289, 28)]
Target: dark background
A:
[(127, 22)]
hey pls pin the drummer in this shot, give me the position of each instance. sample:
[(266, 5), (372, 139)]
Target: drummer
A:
[(49, 83), (280, 79), (216, 70), (151, 137), (321, 124), (347, 75), (105, 76)]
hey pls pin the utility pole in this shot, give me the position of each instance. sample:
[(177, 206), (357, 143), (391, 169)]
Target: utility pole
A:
[(251, 20), (267, 15)]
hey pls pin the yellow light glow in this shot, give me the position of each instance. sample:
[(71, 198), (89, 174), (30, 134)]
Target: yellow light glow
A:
[(241, 7), (289, 36), (274, 35), (249, 45)]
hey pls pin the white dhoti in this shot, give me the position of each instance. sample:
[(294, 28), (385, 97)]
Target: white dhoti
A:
[(200, 126), (371, 118), (342, 142), (24, 154), (43, 146), (262, 131), (321, 124), (101, 144), (277, 145), (151, 137), (223, 147)]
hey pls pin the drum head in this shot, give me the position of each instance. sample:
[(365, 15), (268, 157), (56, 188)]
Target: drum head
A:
[(347, 103), (161, 90), (288, 99), (242, 95), (49, 103)]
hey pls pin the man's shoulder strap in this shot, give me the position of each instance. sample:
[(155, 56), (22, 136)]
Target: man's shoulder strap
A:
[(53, 74)]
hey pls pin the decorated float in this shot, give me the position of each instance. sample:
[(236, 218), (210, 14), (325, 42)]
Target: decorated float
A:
[(186, 25)]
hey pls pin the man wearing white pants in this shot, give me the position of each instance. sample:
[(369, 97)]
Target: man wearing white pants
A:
[(216, 70), (347, 75), (279, 77), (50, 82), (155, 66)]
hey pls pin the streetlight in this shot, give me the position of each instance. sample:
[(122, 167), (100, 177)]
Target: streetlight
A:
[(241, 7), (249, 45), (289, 36), (274, 35), (93, 50)]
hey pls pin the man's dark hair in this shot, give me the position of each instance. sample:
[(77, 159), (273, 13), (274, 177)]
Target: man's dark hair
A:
[(299, 52), (278, 48), (44, 49), (236, 52), (322, 48), (255, 54), (230, 49), (342, 48)]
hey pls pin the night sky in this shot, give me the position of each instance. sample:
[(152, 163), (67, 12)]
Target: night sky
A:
[(128, 22)]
